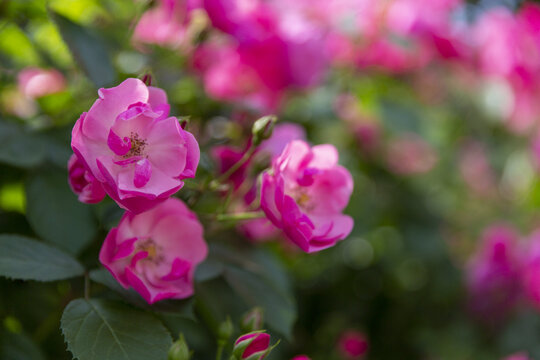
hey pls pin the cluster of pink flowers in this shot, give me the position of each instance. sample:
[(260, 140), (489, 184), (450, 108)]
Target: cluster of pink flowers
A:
[(128, 147), (503, 272)]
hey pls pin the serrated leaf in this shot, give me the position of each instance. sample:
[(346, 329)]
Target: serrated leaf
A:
[(55, 213), (87, 49), (27, 259), (99, 329)]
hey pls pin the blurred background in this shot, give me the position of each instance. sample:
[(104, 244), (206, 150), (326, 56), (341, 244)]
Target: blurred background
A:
[(433, 105)]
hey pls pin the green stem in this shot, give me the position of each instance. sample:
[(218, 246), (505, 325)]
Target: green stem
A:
[(240, 216), (220, 348), (227, 174)]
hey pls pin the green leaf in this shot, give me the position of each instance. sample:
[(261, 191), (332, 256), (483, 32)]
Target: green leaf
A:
[(27, 259), (87, 49), (258, 291), (18, 347), (99, 329), (55, 213), (19, 147)]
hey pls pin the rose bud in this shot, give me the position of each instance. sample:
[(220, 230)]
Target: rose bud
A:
[(253, 320), (252, 346), (156, 252), (305, 193), (83, 183), (133, 147)]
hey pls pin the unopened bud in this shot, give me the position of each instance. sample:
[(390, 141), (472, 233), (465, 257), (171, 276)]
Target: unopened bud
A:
[(252, 346), (225, 330), (253, 320), (179, 350), (147, 79), (262, 128)]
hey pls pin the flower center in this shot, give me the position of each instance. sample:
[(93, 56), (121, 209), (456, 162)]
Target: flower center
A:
[(137, 146), (152, 249)]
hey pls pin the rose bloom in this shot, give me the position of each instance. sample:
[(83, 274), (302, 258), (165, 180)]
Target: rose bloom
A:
[(130, 144), (352, 344), (156, 252), (493, 275), (83, 183), (305, 193), (35, 82)]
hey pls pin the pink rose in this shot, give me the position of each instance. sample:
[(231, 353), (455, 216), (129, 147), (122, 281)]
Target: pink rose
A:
[(494, 273), (305, 193), (301, 357), (129, 143), (83, 183), (352, 344), (156, 252), (35, 82), (255, 346)]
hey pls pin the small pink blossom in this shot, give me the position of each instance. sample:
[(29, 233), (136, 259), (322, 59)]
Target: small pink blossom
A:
[(83, 183), (156, 252), (410, 154), (130, 144), (255, 346), (494, 273), (305, 193), (35, 82), (353, 344)]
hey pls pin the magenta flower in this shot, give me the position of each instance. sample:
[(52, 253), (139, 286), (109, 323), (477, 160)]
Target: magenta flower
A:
[(83, 183), (494, 274), (129, 143), (301, 357), (156, 252), (352, 344), (35, 82), (252, 346), (531, 270), (305, 193)]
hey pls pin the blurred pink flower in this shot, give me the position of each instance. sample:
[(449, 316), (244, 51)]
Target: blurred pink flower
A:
[(494, 273), (156, 252), (35, 82), (352, 344), (165, 24), (282, 135), (476, 170), (305, 193), (129, 143), (409, 154), (225, 157), (531, 270), (301, 357), (255, 346), (83, 183), (518, 356)]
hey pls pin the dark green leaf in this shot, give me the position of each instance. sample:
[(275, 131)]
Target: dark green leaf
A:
[(55, 213), (87, 49), (27, 259), (107, 330), (18, 347), (19, 147)]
